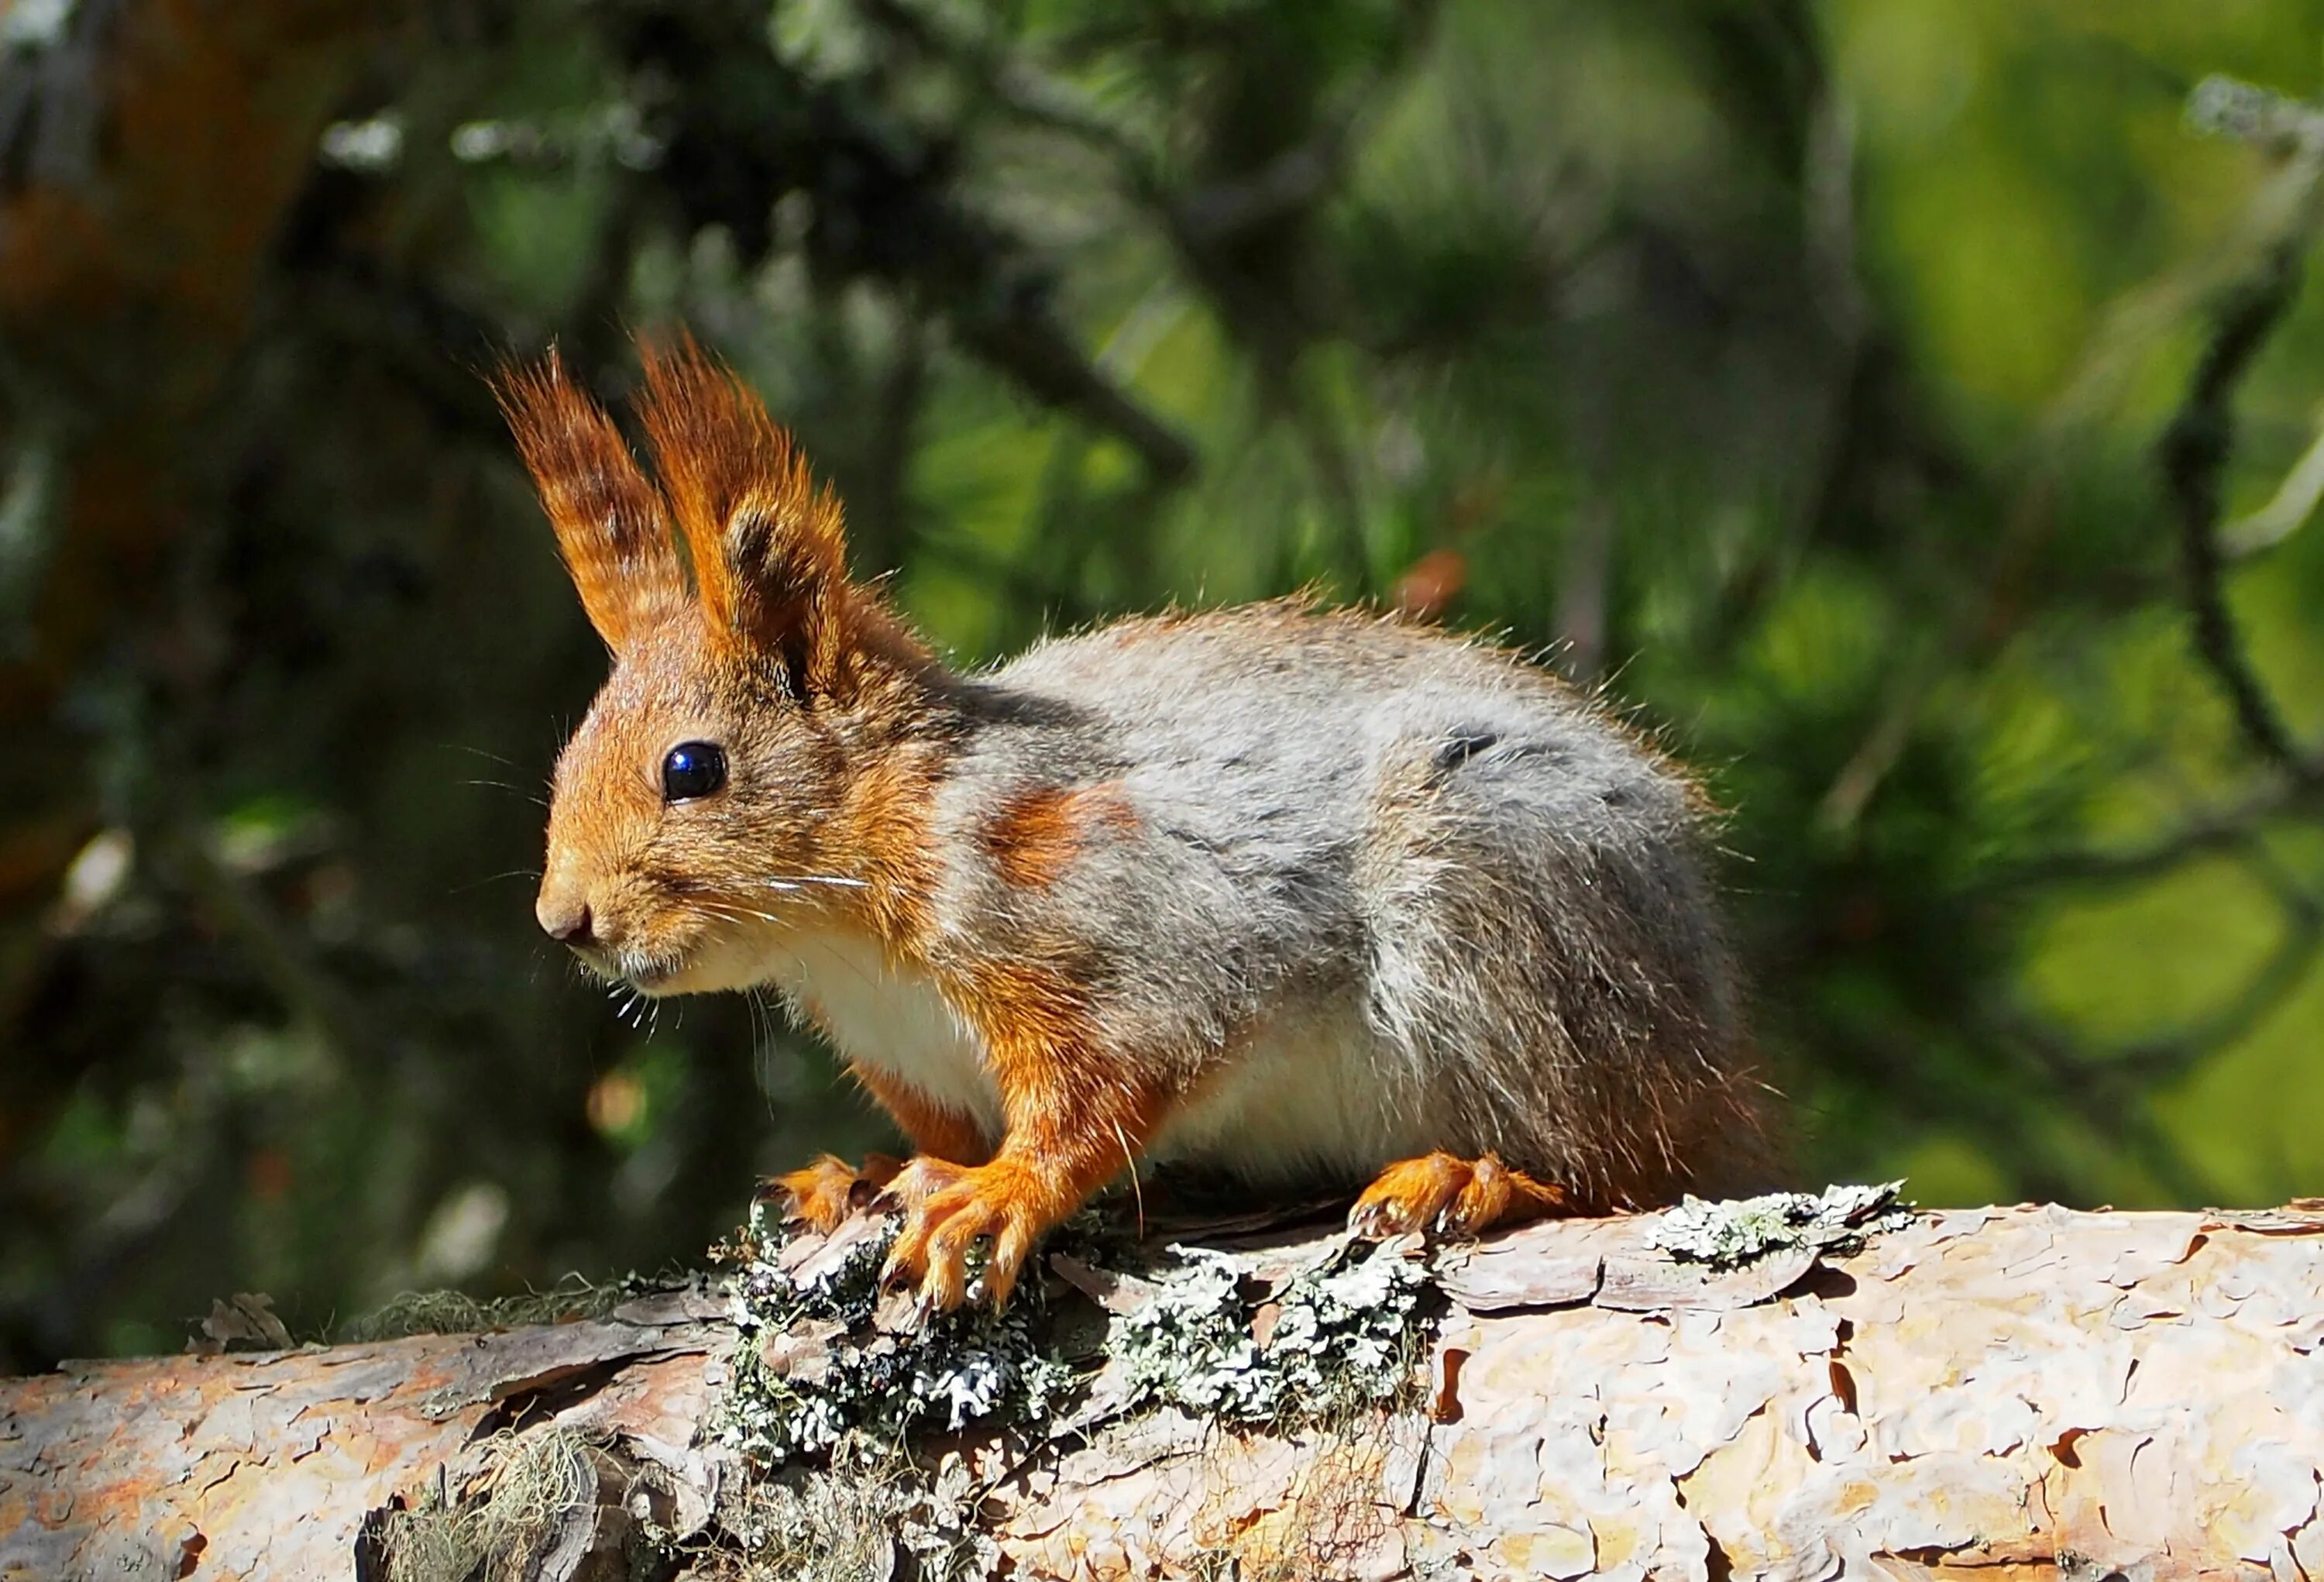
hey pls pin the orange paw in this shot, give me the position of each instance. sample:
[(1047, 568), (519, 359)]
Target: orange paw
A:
[(948, 1208), (919, 1180), (1447, 1196), (829, 1189)]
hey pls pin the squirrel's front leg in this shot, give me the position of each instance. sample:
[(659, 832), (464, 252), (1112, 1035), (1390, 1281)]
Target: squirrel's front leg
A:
[(1078, 1115), (829, 1188)]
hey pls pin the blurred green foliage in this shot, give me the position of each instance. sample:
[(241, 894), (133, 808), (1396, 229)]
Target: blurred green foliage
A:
[(1795, 370)]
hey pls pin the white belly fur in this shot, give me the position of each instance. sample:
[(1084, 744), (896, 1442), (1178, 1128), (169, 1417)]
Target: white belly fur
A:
[(889, 1017), (1300, 1097)]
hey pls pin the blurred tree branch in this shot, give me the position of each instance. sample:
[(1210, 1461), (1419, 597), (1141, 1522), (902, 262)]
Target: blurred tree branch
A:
[(2196, 446), (2193, 453), (882, 207)]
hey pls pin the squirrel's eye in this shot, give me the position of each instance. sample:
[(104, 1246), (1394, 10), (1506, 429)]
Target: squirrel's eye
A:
[(692, 769)]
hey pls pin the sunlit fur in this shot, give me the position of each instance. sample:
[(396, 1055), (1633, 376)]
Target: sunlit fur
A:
[(1290, 893)]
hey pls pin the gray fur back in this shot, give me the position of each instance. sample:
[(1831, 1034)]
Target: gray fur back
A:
[(1381, 890)]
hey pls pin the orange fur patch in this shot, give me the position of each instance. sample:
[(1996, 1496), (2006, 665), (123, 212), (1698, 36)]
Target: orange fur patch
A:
[(829, 1189), (1034, 835)]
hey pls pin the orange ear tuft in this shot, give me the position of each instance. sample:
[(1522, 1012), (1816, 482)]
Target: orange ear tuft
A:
[(611, 525), (769, 554)]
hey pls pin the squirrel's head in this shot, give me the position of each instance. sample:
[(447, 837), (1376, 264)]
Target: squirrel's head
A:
[(696, 813)]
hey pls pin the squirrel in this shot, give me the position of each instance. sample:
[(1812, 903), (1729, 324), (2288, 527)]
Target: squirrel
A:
[(1293, 895)]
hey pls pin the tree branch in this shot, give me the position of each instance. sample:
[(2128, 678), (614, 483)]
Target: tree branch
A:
[(2193, 454), (1948, 1401)]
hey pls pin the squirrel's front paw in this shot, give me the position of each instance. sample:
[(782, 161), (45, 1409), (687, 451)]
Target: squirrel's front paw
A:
[(947, 1208), (829, 1189)]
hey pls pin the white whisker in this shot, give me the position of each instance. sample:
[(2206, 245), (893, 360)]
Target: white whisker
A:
[(733, 910)]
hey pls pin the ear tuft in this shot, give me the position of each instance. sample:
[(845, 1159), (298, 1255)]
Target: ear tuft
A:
[(770, 553), (612, 526)]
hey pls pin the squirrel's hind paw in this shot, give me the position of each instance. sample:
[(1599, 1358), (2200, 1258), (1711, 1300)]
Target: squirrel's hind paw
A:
[(1440, 1194), (829, 1189)]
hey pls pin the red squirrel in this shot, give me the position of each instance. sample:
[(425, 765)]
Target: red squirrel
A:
[(1294, 894)]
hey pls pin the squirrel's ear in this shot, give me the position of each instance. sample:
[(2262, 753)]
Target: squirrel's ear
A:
[(769, 555), (611, 525)]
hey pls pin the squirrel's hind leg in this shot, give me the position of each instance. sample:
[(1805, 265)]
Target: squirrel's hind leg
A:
[(1442, 1194)]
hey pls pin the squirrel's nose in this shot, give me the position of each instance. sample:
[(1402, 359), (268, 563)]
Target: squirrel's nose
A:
[(564, 919)]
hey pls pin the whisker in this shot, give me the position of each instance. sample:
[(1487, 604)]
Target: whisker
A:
[(513, 790), (732, 911), (479, 752), (494, 879), (763, 1043)]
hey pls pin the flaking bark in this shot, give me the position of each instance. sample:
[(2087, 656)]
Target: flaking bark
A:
[(2025, 1392)]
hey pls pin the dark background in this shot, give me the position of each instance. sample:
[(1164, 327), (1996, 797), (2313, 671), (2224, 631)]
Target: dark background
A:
[(1905, 406)]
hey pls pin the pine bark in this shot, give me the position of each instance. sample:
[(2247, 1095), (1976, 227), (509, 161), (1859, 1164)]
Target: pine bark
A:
[(1998, 1393)]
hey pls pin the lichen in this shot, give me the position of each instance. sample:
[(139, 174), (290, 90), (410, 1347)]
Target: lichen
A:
[(864, 1519), (826, 1365), (821, 1356), (1726, 1235), (835, 1384), (1339, 1333)]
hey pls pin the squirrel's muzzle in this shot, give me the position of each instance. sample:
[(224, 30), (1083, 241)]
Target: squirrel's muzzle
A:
[(565, 918)]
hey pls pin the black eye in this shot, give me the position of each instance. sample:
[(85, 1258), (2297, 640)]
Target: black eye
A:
[(693, 769)]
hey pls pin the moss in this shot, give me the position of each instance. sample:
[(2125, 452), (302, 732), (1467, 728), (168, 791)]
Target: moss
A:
[(1333, 1523), (880, 1515), (496, 1531), (453, 1312)]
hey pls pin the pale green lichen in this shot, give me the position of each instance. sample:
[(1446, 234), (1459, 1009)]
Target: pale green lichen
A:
[(823, 1369), (1342, 1333), (815, 1362), (828, 1388), (1837, 1221)]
